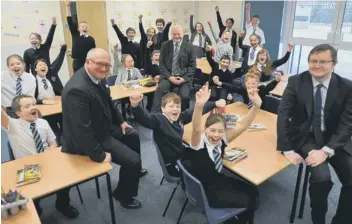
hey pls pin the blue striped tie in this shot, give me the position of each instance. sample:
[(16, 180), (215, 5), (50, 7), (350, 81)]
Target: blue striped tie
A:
[(174, 60), (45, 84), (37, 140), (129, 75), (252, 53), (250, 104), (18, 86), (217, 160)]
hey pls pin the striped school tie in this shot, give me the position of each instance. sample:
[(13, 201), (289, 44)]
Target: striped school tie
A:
[(18, 86), (250, 104), (129, 75), (217, 160), (200, 40), (37, 140), (254, 30), (252, 53), (45, 84), (174, 60)]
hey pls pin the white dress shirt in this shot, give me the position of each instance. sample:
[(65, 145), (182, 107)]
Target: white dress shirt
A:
[(42, 92), (252, 61), (249, 31), (210, 147), (196, 40), (21, 137), (8, 86)]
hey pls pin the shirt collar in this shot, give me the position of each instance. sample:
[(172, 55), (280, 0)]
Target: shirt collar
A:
[(16, 76), (325, 83), (209, 145), (40, 78), (179, 44), (37, 47), (94, 80), (27, 123), (222, 69), (84, 35)]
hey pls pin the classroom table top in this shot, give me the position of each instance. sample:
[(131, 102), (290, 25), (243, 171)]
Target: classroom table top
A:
[(58, 170), (117, 92), (263, 160), (28, 215), (280, 87), (203, 65)]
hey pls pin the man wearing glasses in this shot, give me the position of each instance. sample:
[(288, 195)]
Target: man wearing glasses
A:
[(315, 124), (92, 126)]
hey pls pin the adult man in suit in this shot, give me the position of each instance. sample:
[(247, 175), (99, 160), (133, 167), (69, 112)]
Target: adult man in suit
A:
[(177, 66), (93, 127), (315, 122)]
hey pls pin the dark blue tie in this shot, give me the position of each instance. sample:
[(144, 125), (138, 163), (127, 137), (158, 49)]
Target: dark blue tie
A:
[(45, 84), (18, 86), (217, 160), (319, 138), (37, 140)]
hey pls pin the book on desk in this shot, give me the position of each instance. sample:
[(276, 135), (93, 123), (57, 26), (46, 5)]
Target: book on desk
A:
[(235, 154), (29, 174)]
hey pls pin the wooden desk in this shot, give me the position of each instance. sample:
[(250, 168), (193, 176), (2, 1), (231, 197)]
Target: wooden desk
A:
[(203, 65), (263, 160), (280, 87), (117, 92), (59, 170), (26, 216)]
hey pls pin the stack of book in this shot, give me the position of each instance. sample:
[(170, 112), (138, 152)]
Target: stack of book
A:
[(29, 174), (235, 154)]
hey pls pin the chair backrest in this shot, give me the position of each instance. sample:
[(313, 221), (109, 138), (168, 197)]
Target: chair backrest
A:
[(142, 71), (194, 189), (11, 155), (272, 104), (167, 176), (111, 80)]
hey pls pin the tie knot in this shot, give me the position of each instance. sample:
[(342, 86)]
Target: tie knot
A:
[(32, 125), (320, 86), (44, 80), (19, 79)]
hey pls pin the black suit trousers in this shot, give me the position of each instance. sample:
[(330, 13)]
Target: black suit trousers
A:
[(125, 151), (321, 184)]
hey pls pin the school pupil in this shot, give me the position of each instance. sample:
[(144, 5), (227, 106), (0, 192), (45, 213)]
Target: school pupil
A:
[(206, 151), (151, 68), (38, 50), (82, 42), (251, 81), (127, 72), (265, 66), (220, 70), (168, 125), (128, 45), (162, 32), (14, 82), (227, 27), (252, 26), (145, 38), (199, 39), (30, 135)]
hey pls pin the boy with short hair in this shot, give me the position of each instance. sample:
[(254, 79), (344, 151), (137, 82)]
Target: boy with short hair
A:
[(163, 32), (30, 135), (168, 126)]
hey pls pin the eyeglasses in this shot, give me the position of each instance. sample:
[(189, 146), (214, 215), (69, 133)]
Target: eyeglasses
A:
[(107, 66), (320, 62)]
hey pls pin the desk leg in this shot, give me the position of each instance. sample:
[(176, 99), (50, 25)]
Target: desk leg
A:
[(295, 197), (111, 202), (97, 187), (304, 192)]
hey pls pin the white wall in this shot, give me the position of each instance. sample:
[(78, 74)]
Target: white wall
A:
[(20, 18)]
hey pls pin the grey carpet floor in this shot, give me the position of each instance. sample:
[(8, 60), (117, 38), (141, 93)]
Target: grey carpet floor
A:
[(276, 198)]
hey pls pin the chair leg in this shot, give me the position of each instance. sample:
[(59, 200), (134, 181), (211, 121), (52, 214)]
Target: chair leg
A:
[(304, 193), (79, 194), (182, 210), (161, 182), (172, 195), (97, 187), (295, 197)]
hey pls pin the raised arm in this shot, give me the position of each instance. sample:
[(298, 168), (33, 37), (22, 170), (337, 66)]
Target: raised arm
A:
[(147, 60), (165, 34), (284, 59), (56, 65), (243, 124), (248, 13), (78, 108), (27, 63), (202, 96), (191, 26), (213, 64), (50, 37), (218, 17), (216, 38), (240, 43), (141, 29), (71, 25), (4, 119), (141, 115), (123, 39)]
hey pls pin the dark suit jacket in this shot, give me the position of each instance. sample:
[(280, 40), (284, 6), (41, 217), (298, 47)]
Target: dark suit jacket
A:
[(222, 28), (295, 113), (186, 59), (88, 116)]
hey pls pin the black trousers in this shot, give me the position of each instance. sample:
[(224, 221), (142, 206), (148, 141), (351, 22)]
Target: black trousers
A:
[(62, 199), (76, 65), (55, 122), (321, 184), (150, 99), (218, 93), (125, 151), (165, 86)]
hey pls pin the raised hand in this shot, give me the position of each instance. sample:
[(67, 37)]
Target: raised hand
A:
[(67, 2), (54, 20), (135, 99), (149, 44), (254, 97), (63, 44), (248, 6), (242, 34), (209, 23), (203, 95), (217, 8), (217, 81), (208, 47), (140, 17), (289, 47), (112, 21)]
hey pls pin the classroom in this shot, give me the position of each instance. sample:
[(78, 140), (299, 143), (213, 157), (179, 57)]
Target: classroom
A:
[(176, 112)]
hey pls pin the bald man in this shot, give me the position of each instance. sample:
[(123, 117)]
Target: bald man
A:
[(177, 65), (92, 126)]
